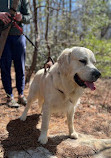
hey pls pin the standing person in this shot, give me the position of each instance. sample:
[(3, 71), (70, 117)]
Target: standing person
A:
[(14, 50)]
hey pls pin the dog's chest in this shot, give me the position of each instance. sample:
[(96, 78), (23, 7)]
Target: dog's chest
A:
[(73, 97), (61, 102)]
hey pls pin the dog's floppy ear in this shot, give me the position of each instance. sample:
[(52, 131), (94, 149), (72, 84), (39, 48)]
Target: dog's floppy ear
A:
[(64, 60), (65, 56)]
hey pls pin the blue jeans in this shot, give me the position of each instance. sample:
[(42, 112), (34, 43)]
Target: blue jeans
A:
[(14, 50)]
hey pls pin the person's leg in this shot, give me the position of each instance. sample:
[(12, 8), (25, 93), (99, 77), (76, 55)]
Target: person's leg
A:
[(19, 64), (6, 61)]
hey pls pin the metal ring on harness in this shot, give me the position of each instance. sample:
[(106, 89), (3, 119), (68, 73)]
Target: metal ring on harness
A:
[(48, 64)]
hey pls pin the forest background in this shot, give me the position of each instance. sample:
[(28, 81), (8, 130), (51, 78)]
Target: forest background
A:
[(60, 24)]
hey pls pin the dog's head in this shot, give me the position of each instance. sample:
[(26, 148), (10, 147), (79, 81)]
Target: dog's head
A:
[(77, 64)]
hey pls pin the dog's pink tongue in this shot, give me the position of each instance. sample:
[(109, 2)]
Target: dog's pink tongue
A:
[(90, 85)]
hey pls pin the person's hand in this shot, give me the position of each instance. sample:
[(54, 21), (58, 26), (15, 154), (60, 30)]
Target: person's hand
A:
[(4, 16), (18, 16)]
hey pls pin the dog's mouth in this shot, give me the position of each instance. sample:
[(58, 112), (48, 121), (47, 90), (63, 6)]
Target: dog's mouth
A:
[(84, 84)]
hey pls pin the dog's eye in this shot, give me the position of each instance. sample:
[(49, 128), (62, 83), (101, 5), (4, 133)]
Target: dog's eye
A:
[(83, 61)]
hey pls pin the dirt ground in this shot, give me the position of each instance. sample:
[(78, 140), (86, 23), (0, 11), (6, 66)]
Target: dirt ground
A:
[(92, 117)]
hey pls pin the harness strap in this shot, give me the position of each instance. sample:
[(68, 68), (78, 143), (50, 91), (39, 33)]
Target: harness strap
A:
[(16, 25)]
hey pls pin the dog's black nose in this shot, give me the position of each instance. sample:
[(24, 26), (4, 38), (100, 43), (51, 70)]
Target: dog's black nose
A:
[(96, 74)]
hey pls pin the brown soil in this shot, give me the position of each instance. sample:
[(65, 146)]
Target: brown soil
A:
[(93, 117)]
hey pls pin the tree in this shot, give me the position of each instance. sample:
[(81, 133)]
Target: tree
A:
[(34, 59)]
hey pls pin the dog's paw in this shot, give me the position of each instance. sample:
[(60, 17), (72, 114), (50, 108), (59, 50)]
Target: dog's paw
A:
[(74, 135), (23, 117), (43, 139)]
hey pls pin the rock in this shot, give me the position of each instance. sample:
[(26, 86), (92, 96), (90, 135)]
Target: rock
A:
[(39, 152), (85, 146)]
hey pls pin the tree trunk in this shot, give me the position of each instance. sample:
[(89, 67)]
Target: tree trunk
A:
[(56, 26), (47, 28), (34, 58)]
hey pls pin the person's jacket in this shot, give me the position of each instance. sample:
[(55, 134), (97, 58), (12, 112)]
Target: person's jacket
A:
[(23, 8)]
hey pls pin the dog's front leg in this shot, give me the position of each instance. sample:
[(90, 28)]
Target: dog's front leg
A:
[(24, 115), (45, 124), (70, 120)]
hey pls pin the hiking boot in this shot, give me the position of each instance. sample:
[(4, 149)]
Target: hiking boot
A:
[(22, 100), (12, 103)]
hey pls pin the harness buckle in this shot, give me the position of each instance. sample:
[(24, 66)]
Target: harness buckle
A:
[(48, 64)]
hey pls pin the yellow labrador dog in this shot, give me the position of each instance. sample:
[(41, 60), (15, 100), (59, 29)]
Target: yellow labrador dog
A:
[(61, 87)]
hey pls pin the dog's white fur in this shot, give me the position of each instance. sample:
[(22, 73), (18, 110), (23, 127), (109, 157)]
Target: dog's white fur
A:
[(57, 91)]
